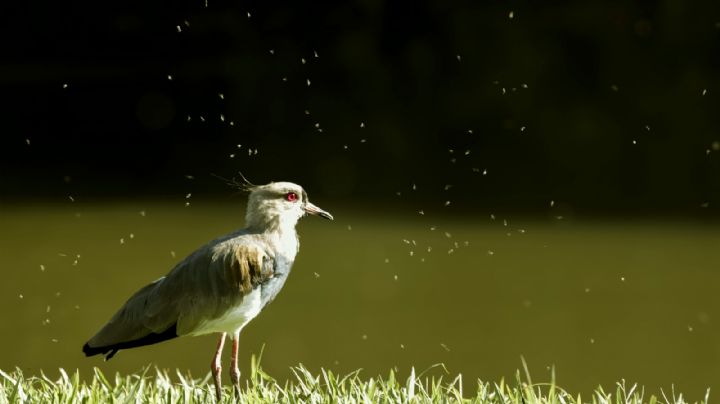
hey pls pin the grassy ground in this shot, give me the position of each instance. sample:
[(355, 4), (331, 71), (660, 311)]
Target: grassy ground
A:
[(324, 387)]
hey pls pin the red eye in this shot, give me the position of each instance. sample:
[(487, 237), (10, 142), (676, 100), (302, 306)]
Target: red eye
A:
[(291, 196)]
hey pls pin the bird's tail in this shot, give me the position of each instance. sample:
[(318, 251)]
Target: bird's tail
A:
[(110, 350)]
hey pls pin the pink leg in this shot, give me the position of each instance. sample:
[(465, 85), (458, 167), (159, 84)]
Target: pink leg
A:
[(216, 367), (234, 369)]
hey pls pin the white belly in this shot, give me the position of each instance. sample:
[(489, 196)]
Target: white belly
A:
[(235, 318)]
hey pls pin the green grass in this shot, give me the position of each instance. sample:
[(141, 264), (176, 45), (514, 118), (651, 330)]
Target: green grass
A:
[(306, 387)]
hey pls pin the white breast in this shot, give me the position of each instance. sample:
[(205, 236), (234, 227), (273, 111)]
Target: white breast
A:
[(285, 243), (235, 318)]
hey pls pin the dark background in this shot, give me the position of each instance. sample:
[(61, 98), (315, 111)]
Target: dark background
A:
[(606, 107), (599, 110)]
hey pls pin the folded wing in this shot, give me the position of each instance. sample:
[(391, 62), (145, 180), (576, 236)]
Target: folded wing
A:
[(202, 287)]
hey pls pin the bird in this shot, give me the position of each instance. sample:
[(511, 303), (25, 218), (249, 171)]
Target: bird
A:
[(219, 287)]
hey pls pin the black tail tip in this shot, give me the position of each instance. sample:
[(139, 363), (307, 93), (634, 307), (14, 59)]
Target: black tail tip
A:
[(109, 352), (90, 351)]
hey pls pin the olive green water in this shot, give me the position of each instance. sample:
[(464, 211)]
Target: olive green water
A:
[(598, 301)]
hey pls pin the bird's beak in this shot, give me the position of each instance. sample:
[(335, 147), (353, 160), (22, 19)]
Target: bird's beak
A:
[(314, 210)]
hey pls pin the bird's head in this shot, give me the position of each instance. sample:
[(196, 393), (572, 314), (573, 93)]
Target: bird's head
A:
[(279, 205)]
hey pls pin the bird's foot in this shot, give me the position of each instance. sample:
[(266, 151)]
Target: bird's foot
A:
[(235, 378), (216, 370)]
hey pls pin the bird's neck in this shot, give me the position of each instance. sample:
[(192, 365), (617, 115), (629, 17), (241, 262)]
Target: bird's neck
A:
[(286, 241), (281, 234)]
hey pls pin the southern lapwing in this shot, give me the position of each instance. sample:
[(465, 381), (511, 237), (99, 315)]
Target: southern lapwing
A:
[(221, 286)]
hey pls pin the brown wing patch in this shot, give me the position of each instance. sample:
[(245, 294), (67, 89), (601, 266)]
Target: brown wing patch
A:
[(247, 268)]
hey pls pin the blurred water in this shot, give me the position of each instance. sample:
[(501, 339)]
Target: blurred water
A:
[(599, 301)]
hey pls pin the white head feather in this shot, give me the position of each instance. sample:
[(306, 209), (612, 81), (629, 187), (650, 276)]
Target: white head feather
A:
[(278, 206)]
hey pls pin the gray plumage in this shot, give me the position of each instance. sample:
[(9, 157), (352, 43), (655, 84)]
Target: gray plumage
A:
[(204, 286), (221, 286)]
